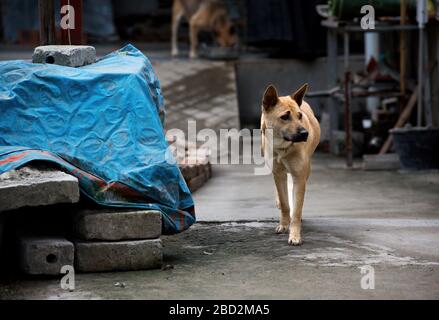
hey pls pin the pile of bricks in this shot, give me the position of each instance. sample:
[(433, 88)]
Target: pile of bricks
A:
[(96, 240), (194, 163)]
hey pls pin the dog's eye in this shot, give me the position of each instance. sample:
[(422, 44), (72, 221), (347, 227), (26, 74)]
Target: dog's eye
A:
[(300, 115), (286, 116)]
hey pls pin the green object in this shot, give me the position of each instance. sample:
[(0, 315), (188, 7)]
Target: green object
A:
[(350, 9)]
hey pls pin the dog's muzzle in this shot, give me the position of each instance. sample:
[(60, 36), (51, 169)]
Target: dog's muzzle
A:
[(300, 136)]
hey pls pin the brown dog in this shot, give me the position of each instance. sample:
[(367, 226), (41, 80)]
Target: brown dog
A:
[(290, 133), (208, 15)]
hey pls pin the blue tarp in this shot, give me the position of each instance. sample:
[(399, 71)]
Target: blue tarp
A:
[(102, 124)]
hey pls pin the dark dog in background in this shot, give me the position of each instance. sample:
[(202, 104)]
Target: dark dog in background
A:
[(202, 15)]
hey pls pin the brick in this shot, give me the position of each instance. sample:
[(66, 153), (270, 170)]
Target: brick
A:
[(113, 225), (45, 256), (118, 256), (189, 171), (36, 187), (196, 183), (71, 56)]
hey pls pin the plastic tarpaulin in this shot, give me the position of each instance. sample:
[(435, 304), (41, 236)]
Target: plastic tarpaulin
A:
[(102, 124)]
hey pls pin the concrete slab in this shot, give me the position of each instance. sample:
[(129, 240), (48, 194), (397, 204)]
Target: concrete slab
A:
[(30, 187), (388, 161), (115, 225), (118, 256), (70, 56), (45, 256)]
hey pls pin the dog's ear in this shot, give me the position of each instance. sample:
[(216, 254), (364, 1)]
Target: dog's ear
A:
[(270, 97), (299, 94)]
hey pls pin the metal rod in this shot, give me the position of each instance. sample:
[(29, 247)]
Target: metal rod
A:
[(332, 82), (403, 55), (421, 17), (347, 119), (420, 76), (347, 102)]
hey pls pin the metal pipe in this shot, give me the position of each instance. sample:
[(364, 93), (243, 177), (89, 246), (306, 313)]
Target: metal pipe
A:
[(348, 119), (421, 18)]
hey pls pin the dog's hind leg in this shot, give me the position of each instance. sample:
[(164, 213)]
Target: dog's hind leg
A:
[(280, 180), (177, 14)]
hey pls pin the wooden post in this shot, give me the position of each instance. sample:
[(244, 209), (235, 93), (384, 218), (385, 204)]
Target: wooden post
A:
[(47, 22), (403, 54), (72, 36)]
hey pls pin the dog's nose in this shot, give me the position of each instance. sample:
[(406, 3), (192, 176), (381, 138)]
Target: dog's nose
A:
[(302, 133)]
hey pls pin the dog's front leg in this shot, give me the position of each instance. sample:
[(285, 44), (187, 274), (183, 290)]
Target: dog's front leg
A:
[(280, 180), (177, 14), (193, 34), (299, 186)]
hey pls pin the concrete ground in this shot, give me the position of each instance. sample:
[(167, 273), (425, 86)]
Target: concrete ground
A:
[(388, 220), (352, 218)]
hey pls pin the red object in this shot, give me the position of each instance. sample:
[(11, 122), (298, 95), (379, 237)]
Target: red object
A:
[(72, 36)]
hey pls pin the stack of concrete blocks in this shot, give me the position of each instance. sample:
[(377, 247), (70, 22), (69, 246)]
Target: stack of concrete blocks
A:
[(103, 240), (34, 187), (194, 162), (117, 240)]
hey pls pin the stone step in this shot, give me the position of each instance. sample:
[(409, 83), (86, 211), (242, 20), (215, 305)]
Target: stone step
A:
[(118, 256), (116, 225), (31, 186), (44, 256)]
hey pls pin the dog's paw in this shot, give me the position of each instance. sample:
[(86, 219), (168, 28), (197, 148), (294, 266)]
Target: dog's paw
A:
[(193, 55), (282, 228), (295, 240), (175, 52)]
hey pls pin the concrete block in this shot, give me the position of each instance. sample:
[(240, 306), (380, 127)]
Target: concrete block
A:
[(45, 256), (114, 225), (71, 56), (388, 161), (118, 256), (36, 187)]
